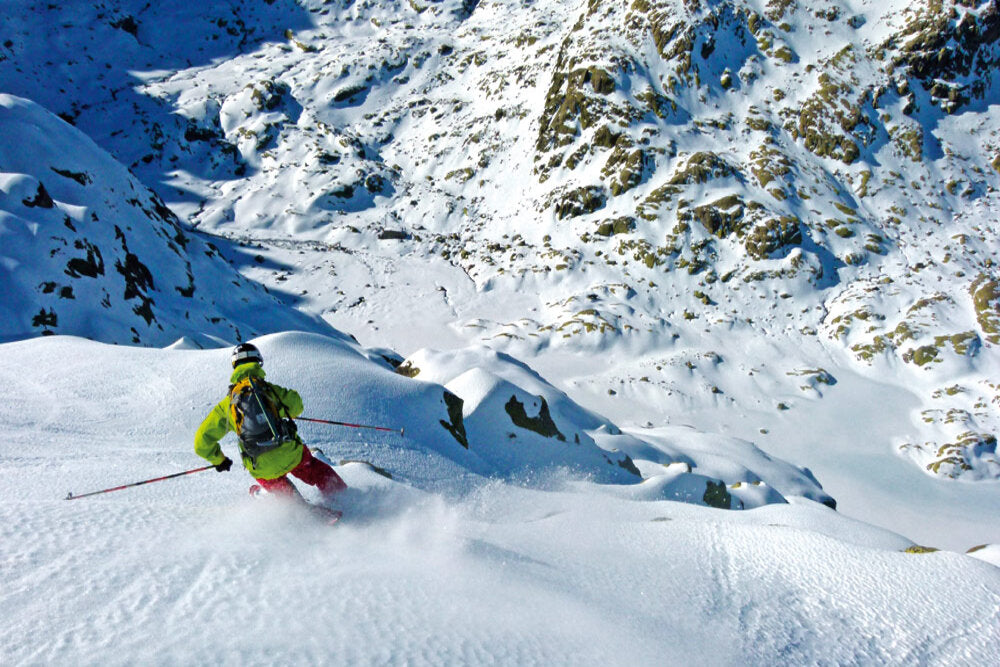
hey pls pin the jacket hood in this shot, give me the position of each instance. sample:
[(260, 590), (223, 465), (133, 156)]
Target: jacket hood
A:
[(243, 371)]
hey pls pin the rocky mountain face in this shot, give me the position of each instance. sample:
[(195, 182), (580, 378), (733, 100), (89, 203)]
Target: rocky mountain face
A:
[(669, 181)]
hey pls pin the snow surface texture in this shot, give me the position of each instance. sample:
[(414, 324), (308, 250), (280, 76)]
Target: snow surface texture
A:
[(741, 248), (436, 565)]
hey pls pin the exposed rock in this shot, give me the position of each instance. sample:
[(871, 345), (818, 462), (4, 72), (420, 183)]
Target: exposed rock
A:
[(455, 426), (542, 424), (580, 201)]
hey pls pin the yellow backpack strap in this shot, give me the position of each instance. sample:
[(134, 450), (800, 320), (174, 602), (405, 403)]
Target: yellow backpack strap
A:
[(234, 416)]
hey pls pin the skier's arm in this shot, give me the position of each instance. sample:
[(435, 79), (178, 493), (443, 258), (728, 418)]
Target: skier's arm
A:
[(290, 400), (212, 429)]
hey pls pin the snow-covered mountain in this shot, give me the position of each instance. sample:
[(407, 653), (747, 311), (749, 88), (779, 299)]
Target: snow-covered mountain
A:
[(616, 175), (87, 250), (736, 253)]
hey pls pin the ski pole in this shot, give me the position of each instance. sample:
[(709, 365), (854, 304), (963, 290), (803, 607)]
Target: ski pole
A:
[(70, 495), (401, 431)]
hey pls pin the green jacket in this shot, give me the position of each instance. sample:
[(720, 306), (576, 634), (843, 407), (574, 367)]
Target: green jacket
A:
[(269, 465)]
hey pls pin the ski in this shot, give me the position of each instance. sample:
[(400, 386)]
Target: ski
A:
[(318, 453), (327, 515)]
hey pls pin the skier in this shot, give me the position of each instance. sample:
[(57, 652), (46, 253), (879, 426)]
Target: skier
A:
[(260, 413)]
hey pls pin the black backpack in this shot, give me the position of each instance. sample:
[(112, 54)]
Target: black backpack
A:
[(255, 412)]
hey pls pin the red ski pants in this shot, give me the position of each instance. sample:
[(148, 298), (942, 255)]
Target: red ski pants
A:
[(310, 470)]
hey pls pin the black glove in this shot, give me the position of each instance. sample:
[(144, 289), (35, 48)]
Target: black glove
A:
[(290, 428), (226, 464)]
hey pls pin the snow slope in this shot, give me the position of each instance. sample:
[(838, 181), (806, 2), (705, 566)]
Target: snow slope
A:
[(438, 564), (743, 248), (87, 249)]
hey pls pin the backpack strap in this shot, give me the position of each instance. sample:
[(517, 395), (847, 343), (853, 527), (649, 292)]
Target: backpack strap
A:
[(256, 395)]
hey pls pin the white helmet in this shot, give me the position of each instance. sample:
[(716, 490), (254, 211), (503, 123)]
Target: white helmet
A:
[(245, 353)]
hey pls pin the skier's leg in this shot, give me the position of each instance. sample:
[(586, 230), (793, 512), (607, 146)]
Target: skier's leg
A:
[(314, 472), (281, 486)]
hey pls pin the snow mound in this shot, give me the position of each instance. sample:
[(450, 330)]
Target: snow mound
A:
[(517, 422), (989, 553), (520, 424), (682, 463), (444, 367)]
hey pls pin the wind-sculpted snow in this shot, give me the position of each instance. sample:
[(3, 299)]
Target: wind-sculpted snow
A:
[(87, 250), (510, 575), (517, 421), (436, 564), (752, 478)]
